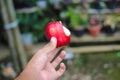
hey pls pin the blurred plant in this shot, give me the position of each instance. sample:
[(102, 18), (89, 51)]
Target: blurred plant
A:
[(94, 27), (110, 71), (110, 20), (76, 17), (118, 54), (39, 29), (94, 71), (78, 61), (111, 23), (33, 23)]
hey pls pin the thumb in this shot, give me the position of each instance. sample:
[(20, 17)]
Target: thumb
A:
[(50, 46)]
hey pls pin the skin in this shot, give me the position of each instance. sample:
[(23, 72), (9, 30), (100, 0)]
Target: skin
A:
[(41, 66)]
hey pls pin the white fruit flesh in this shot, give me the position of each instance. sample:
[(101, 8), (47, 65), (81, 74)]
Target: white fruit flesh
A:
[(67, 32)]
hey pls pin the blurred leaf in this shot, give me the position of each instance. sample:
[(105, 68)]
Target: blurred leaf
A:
[(118, 54), (94, 72), (35, 39), (109, 71), (36, 27)]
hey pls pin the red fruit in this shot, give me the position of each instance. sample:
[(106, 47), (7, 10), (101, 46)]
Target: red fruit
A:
[(57, 30)]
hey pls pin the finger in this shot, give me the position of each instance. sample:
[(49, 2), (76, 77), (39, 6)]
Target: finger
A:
[(41, 57), (49, 47), (61, 69), (56, 62), (53, 54)]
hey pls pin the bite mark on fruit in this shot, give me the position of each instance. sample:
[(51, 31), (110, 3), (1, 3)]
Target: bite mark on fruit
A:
[(67, 32)]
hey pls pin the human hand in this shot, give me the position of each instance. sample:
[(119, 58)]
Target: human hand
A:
[(40, 66)]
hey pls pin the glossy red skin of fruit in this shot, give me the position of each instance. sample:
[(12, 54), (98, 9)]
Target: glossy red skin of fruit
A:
[(55, 29)]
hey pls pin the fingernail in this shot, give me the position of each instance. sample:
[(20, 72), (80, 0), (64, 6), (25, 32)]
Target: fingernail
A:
[(53, 39)]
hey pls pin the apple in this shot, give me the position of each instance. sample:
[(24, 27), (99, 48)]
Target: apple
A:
[(59, 31)]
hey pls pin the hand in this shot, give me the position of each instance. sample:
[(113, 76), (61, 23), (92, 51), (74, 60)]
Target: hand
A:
[(40, 66)]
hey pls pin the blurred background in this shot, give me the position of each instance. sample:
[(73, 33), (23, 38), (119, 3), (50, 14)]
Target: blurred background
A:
[(94, 50)]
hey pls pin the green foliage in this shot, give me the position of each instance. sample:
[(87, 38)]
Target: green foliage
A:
[(112, 19), (94, 71), (76, 17), (118, 54), (110, 71), (33, 23), (39, 29), (78, 61)]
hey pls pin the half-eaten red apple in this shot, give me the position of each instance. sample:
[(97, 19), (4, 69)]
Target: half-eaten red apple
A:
[(60, 32)]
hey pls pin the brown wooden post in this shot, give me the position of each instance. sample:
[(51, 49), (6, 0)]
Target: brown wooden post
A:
[(16, 33), (10, 36)]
